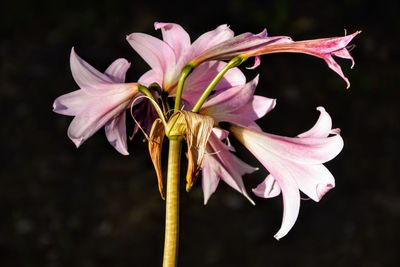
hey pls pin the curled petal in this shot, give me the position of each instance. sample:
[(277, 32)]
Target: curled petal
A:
[(269, 188), (117, 70), (151, 76), (322, 127)]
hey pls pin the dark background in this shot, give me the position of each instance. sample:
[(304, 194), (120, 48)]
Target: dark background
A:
[(60, 206)]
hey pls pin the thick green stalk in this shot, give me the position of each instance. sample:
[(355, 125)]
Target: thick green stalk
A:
[(172, 203), (236, 61)]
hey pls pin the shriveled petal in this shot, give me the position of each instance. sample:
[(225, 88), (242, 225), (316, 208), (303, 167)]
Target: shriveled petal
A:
[(156, 138), (174, 35), (158, 54), (117, 70), (84, 74), (116, 133), (268, 188), (72, 103), (322, 127)]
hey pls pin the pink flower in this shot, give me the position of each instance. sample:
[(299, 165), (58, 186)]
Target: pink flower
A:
[(101, 101), (294, 164), (248, 45), (237, 105), (167, 57)]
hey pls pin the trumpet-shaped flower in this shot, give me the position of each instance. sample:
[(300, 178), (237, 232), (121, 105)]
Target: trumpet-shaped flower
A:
[(167, 57), (248, 45), (237, 105), (294, 164), (101, 101)]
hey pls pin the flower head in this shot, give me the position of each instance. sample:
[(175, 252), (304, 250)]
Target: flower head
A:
[(167, 57), (294, 164), (101, 101), (249, 45)]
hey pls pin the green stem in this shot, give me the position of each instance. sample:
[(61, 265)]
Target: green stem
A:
[(181, 82), (234, 62), (172, 203)]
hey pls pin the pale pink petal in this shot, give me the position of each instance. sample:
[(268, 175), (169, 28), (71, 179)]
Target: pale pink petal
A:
[(257, 62), (259, 106), (322, 127), (231, 168), (174, 35), (344, 53), (332, 64), (313, 180), (210, 177), (268, 188), (211, 38), (116, 133), (84, 74), (72, 103), (221, 134), (117, 70), (158, 54), (229, 100), (291, 206), (201, 77), (94, 116), (301, 150), (151, 76)]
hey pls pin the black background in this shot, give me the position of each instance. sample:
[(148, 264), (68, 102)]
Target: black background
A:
[(61, 206)]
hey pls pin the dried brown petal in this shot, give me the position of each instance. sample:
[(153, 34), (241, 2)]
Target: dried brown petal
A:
[(156, 138)]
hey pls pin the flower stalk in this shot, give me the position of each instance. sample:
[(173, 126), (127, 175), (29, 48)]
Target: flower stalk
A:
[(234, 62), (172, 203)]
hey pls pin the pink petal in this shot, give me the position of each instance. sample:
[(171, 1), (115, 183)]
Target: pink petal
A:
[(313, 180), (116, 133), (72, 103), (291, 206), (229, 100), (301, 150), (158, 54), (117, 70), (322, 127), (151, 76), (258, 107), (93, 117), (231, 168), (269, 188), (84, 74), (174, 35), (201, 77), (211, 38), (257, 62), (210, 178)]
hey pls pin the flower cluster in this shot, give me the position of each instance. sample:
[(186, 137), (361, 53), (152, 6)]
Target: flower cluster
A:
[(205, 90)]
